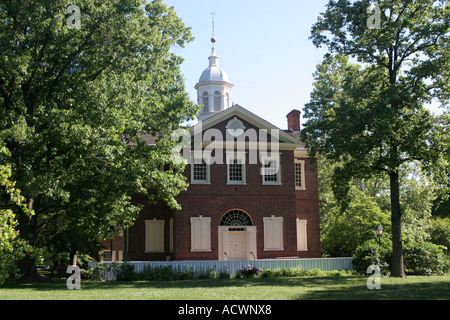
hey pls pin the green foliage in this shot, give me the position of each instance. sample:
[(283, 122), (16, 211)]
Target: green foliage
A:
[(12, 248), (76, 106), (248, 272), (300, 272), (440, 232), (125, 272), (346, 229), (372, 253), (421, 258), (425, 259), (368, 106)]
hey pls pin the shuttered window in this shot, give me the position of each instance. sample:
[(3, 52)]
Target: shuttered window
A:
[(302, 243), (273, 233), (154, 235), (200, 233)]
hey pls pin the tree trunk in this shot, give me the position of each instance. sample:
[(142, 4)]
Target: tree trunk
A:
[(73, 258), (27, 228), (398, 269)]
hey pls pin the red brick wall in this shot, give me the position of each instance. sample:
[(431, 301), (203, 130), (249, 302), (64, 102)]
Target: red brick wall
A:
[(217, 198), (307, 202)]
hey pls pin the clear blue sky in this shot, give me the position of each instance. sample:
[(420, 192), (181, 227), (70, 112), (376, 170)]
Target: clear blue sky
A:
[(263, 46)]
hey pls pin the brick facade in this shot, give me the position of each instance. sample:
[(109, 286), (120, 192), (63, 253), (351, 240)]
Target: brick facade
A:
[(216, 198)]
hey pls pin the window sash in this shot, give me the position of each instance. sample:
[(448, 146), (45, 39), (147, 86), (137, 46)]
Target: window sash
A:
[(235, 171), (236, 168), (200, 169), (300, 175), (270, 168)]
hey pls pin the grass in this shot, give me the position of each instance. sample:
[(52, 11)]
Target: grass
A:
[(296, 288)]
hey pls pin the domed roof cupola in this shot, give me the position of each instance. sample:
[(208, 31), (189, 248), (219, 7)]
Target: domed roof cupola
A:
[(214, 87), (214, 72)]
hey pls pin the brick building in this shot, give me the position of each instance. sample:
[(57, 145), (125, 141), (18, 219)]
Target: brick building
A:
[(253, 193)]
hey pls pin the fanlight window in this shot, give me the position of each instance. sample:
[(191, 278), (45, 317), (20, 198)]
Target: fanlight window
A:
[(236, 218)]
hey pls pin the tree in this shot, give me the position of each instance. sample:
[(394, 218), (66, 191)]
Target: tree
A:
[(351, 228), (371, 113), (12, 248), (80, 86)]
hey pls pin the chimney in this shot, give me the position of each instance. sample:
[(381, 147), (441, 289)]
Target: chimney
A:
[(293, 119)]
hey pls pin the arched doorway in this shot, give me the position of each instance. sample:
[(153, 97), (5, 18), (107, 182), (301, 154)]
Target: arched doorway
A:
[(237, 236)]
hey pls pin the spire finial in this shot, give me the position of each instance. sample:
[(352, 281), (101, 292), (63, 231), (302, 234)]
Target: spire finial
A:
[(213, 39)]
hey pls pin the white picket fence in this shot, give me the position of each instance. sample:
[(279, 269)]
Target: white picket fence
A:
[(231, 266)]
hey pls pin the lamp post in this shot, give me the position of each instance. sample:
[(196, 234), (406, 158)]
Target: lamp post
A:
[(379, 230)]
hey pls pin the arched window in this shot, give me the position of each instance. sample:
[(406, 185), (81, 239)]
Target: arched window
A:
[(236, 218), (217, 106)]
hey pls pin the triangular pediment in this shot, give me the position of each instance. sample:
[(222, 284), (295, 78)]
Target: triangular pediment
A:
[(231, 118)]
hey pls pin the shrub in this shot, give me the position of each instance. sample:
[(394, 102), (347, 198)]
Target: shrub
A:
[(372, 253), (160, 273), (125, 272), (300, 272), (248, 272), (270, 274), (208, 274), (96, 273), (425, 258), (223, 274)]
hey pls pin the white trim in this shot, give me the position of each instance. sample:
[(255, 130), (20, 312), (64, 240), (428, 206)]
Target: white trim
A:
[(240, 156), (250, 117), (274, 156), (302, 163), (197, 155)]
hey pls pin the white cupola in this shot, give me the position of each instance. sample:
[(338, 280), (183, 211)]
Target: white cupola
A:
[(213, 88)]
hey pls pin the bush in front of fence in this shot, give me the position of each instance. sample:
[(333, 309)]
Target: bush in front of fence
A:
[(248, 272), (127, 272), (420, 258)]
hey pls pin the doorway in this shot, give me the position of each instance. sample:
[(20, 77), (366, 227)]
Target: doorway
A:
[(237, 245), (237, 236)]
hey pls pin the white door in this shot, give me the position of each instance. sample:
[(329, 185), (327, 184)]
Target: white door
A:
[(238, 245)]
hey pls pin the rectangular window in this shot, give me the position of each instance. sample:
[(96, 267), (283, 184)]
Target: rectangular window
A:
[(300, 174), (235, 171), (302, 243), (154, 236), (270, 170), (236, 168), (200, 169), (201, 234), (273, 233)]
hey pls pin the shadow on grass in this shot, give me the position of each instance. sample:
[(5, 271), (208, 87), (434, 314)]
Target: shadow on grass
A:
[(312, 288), (390, 289)]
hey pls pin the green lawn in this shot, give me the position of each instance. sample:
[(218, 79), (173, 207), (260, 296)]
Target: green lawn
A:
[(298, 288)]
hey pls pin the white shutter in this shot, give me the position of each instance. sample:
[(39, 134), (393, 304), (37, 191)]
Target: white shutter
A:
[(273, 233), (302, 244), (200, 233), (154, 235)]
